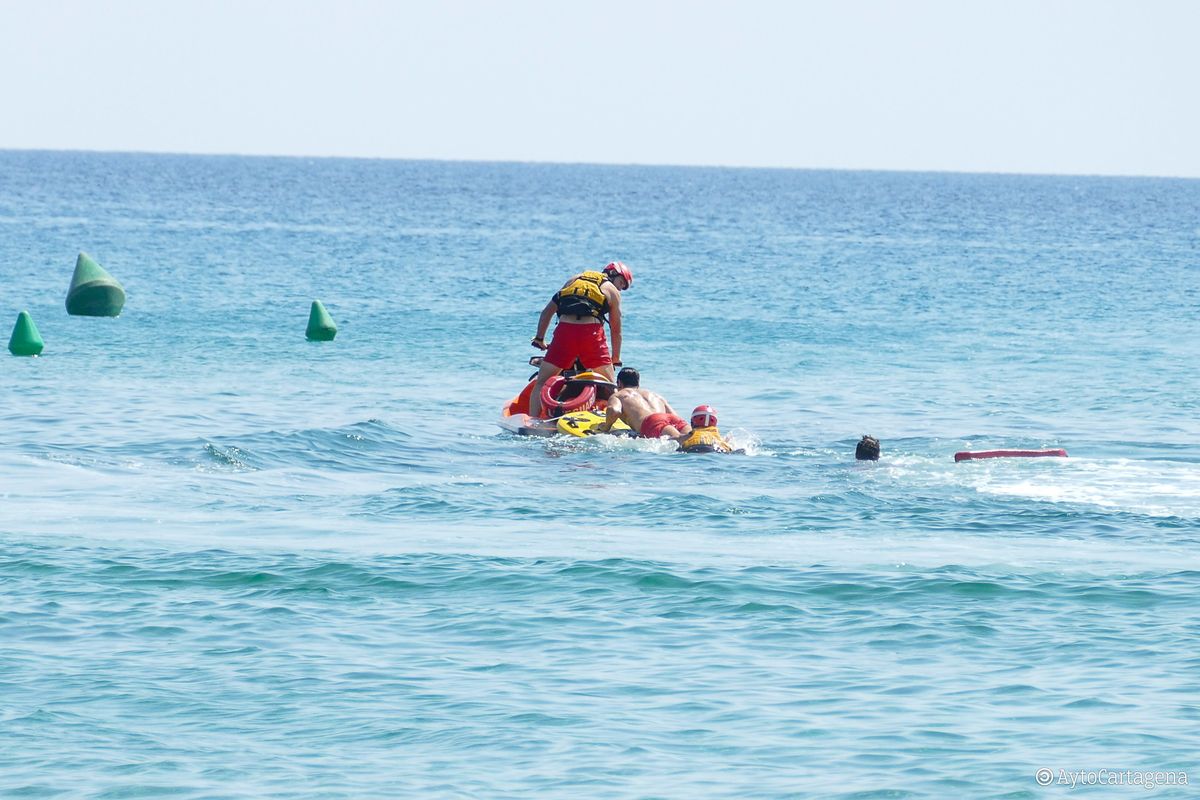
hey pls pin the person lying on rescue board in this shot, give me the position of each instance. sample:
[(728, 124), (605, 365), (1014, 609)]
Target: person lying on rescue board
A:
[(642, 410), (705, 437), (582, 305)]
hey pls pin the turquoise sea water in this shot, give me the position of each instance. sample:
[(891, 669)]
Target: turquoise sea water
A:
[(237, 564)]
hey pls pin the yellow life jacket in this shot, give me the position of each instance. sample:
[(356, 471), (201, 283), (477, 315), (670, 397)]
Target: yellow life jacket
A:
[(705, 440), (582, 297)]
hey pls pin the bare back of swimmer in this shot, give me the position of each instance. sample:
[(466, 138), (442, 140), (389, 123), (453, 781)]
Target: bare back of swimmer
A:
[(641, 409)]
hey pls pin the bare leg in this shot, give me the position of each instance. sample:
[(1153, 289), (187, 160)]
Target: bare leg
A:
[(545, 372), (675, 434)]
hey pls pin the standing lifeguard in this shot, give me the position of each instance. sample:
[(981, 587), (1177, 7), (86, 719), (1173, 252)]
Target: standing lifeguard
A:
[(582, 304)]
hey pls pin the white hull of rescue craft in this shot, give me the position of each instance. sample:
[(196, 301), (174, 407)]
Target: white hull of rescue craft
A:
[(525, 425), (577, 423)]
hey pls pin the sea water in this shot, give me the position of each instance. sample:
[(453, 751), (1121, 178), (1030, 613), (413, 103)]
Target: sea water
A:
[(234, 563)]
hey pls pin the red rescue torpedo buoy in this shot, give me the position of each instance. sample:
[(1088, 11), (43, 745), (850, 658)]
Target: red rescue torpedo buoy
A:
[(552, 406), (968, 455)]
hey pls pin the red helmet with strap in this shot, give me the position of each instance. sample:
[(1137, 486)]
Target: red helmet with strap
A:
[(704, 417), (619, 268)]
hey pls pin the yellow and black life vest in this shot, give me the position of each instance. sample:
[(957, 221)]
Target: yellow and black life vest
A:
[(582, 297), (705, 440)]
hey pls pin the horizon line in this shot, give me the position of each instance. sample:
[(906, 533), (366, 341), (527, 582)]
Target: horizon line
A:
[(890, 170)]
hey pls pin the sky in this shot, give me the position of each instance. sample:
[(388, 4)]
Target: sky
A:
[(1045, 86)]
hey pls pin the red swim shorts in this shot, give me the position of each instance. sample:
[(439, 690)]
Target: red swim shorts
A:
[(585, 342), (652, 426)]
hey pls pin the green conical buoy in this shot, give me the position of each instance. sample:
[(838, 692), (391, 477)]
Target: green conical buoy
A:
[(25, 341), (320, 324), (93, 292)]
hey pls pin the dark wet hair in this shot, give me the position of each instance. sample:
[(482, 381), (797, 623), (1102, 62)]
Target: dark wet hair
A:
[(867, 449), (628, 376)]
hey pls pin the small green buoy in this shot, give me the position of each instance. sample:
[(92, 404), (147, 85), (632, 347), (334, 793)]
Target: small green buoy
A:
[(93, 292), (25, 340), (320, 324)]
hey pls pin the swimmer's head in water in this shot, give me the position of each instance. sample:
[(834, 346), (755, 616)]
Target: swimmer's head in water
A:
[(867, 449)]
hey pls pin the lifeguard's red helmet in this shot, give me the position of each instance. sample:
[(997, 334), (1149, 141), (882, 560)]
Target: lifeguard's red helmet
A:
[(704, 417), (619, 268)]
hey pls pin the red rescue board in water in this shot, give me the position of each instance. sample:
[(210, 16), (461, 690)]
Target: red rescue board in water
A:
[(968, 455)]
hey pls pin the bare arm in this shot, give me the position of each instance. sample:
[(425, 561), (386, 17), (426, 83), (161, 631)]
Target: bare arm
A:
[(611, 415), (614, 321), (544, 322)]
